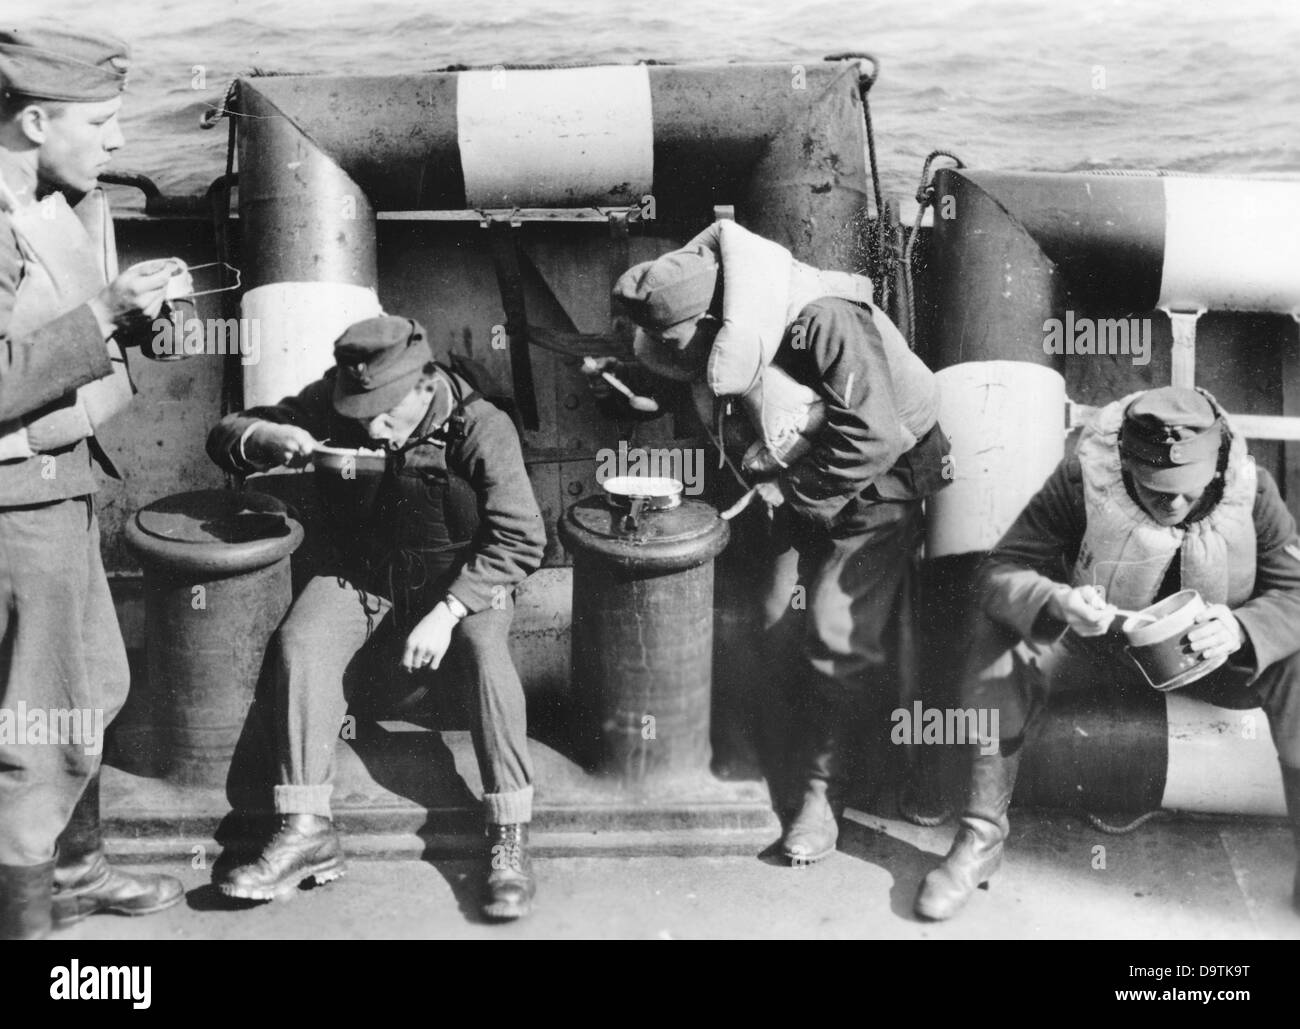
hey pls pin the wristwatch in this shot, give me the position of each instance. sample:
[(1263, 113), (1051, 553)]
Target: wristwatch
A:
[(457, 609)]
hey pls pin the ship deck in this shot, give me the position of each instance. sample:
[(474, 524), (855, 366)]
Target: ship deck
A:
[(695, 863)]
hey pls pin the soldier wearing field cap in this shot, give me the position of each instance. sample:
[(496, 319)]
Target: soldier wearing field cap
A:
[(422, 564), (1159, 496), (839, 420), (65, 313)]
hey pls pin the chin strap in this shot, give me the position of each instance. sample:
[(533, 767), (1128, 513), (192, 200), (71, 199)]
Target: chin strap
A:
[(430, 429)]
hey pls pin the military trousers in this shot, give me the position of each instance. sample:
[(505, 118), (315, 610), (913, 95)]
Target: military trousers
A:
[(1014, 677), (63, 670), (831, 598), (340, 646)]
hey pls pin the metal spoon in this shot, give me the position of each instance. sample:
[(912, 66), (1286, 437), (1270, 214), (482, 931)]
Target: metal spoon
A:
[(1135, 614), (638, 403)]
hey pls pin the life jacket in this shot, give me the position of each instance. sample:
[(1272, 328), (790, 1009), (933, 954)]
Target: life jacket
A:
[(1128, 553), (764, 289), (68, 256), (401, 533)]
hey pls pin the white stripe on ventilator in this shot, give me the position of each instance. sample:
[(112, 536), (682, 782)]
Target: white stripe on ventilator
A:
[(1220, 760), (1231, 245), (550, 138), (298, 323), (1005, 422)]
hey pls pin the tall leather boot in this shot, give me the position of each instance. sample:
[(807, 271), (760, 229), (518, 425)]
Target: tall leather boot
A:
[(816, 759), (86, 884), (1291, 786), (976, 851), (25, 901)]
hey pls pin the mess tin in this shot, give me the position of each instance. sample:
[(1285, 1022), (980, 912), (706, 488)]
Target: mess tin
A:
[(346, 461), (638, 494), (1158, 644)]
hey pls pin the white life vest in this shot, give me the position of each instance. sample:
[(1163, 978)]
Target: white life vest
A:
[(764, 289), (1128, 553)]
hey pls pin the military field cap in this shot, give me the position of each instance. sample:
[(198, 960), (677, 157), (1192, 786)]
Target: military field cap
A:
[(379, 360), (1170, 439), (51, 63), (669, 290)]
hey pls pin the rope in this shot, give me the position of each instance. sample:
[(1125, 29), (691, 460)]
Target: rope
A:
[(924, 198), (880, 270), (1101, 825)]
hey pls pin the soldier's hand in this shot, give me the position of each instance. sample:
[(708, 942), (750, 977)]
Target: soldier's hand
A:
[(429, 640), (1217, 633), (592, 367), (1083, 609), (272, 444), (770, 493), (136, 294)]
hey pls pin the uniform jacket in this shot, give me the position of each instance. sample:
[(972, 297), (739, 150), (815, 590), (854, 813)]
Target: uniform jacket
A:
[(50, 345), (1040, 549), (794, 337), (866, 452), (509, 538)]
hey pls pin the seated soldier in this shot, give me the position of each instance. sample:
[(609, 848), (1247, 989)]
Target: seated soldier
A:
[(425, 569), (1159, 496)]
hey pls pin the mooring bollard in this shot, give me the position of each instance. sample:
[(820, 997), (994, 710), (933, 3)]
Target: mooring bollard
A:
[(643, 629), (217, 584)]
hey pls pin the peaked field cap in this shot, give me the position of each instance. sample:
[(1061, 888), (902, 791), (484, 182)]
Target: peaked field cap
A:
[(48, 62), (1170, 438), (379, 360), (669, 290)]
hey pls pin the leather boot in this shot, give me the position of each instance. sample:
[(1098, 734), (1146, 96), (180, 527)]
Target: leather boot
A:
[(510, 887), (1291, 786), (813, 831), (976, 851), (305, 847), (25, 901), (921, 800), (84, 883)]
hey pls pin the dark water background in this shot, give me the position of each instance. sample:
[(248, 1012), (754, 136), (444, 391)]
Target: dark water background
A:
[(1197, 85)]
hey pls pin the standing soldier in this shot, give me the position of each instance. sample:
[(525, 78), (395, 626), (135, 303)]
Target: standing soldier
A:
[(61, 374)]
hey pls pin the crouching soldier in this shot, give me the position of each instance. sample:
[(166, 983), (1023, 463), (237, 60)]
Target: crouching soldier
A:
[(1159, 496), (843, 419), (425, 572)]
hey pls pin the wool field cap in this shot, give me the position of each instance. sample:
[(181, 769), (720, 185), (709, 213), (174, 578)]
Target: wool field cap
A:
[(379, 360), (669, 290), (1170, 439), (47, 62)]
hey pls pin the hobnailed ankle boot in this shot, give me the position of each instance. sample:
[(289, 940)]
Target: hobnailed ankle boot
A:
[(85, 884), (510, 887), (305, 847), (813, 830), (25, 901), (1291, 786), (976, 851)]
